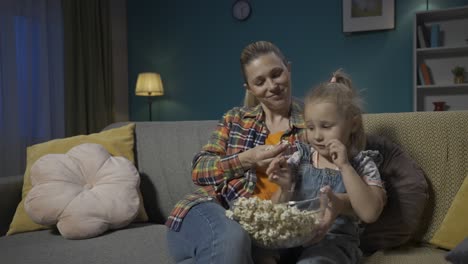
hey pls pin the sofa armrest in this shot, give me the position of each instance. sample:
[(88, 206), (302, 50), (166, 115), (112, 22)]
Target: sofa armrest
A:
[(10, 196)]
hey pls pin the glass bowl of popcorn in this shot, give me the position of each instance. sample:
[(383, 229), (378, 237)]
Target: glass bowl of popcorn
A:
[(281, 225)]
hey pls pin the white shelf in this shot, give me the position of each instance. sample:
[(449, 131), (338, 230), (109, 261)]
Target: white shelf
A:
[(442, 50), (443, 86), (453, 34), (443, 15)]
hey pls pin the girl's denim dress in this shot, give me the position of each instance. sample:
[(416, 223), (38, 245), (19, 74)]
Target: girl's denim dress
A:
[(341, 244)]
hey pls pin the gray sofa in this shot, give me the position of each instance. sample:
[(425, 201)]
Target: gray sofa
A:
[(164, 152), (161, 148)]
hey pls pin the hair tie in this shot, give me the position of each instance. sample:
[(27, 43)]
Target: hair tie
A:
[(333, 79)]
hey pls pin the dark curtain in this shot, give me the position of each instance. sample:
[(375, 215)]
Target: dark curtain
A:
[(87, 66)]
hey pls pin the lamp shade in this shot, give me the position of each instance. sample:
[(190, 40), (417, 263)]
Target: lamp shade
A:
[(149, 84)]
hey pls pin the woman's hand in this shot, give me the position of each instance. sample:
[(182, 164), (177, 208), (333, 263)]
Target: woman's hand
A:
[(334, 207), (338, 153), (279, 172), (260, 156)]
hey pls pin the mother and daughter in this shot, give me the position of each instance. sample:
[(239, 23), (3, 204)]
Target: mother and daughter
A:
[(243, 159)]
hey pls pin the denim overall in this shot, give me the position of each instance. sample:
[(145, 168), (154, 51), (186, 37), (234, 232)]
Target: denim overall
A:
[(341, 244)]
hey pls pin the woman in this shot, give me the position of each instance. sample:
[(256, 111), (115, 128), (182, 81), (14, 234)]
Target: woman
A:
[(234, 161)]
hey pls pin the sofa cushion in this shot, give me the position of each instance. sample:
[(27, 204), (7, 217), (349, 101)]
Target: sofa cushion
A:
[(454, 227), (437, 141), (138, 243), (407, 194), (118, 142), (164, 155), (409, 255), (85, 192)]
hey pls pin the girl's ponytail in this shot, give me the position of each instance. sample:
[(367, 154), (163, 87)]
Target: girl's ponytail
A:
[(341, 77)]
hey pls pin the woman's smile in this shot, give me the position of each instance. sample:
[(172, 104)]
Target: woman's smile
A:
[(276, 96)]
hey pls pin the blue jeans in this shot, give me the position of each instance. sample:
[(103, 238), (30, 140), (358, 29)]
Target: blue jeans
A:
[(208, 236), (333, 249)]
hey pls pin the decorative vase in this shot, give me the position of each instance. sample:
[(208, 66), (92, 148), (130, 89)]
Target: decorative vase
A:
[(439, 106), (459, 79)]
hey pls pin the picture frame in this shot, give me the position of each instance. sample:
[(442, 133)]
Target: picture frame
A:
[(368, 15)]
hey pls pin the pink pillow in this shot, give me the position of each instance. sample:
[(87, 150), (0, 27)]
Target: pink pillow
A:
[(85, 192)]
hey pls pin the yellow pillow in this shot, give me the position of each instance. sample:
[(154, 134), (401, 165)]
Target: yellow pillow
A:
[(117, 141), (454, 228)]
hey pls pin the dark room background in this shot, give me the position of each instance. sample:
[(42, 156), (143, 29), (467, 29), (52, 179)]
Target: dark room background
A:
[(195, 46)]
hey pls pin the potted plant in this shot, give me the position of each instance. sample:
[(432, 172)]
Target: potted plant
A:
[(459, 74)]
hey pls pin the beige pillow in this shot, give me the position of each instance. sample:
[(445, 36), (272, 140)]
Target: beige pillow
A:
[(85, 192), (118, 141)]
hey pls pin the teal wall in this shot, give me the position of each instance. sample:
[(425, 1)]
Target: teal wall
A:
[(195, 46)]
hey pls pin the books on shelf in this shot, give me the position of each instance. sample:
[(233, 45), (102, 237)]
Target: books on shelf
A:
[(429, 39), (420, 76), (426, 75), (422, 40), (435, 32)]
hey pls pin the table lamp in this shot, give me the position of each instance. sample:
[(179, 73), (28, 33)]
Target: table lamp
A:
[(149, 84)]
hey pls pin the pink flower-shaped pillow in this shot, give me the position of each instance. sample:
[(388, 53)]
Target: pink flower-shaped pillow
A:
[(85, 192)]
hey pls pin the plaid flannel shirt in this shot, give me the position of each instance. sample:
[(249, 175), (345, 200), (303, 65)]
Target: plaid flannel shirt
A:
[(217, 168)]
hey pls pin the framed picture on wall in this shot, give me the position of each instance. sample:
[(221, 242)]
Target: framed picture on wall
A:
[(366, 15)]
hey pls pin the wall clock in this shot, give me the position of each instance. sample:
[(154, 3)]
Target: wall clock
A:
[(241, 10)]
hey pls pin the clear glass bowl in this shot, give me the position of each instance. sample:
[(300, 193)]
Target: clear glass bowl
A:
[(282, 225)]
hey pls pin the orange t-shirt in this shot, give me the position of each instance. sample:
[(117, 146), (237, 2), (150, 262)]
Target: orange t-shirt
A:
[(264, 189)]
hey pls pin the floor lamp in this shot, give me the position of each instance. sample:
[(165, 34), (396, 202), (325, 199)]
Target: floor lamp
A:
[(149, 84)]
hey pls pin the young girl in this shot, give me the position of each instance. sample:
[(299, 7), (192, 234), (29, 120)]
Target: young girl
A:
[(334, 159)]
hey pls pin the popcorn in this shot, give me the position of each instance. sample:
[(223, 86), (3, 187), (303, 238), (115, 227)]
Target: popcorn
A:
[(274, 225)]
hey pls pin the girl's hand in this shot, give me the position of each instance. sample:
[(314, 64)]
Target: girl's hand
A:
[(338, 153), (279, 172), (260, 156), (334, 207)]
